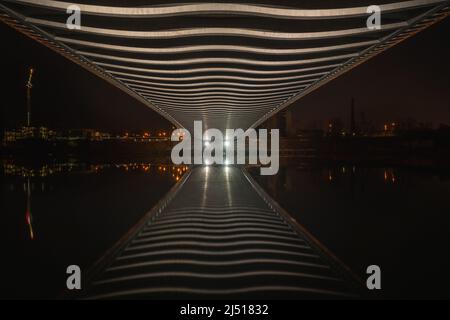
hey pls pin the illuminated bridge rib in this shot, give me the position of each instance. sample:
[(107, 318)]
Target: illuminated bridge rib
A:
[(231, 112), (218, 83), (205, 32), (203, 48), (212, 263), (218, 100), (219, 103), (229, 8), (189, 96), (212, 237), (228, 231), (223, 70), (230, 91), (216, 76), (249, 90), (228, 113), (229, 97), (218, 107), (219, 60), (208, 243)]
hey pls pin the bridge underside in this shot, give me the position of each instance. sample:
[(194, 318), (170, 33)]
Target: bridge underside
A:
[(232, 65)]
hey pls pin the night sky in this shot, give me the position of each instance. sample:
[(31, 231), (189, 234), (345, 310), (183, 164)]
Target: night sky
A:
[(64, 94), (412, 80)]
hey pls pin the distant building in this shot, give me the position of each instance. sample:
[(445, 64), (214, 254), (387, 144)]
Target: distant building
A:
[(13, 135), (335, 127), (43, 133)]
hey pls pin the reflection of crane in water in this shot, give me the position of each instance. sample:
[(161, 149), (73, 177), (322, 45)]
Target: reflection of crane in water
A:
[(29, 85), (28, 216)]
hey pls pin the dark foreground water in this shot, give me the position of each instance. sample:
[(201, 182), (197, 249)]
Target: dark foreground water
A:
[(55, 215), (396, 218), (59, 214)]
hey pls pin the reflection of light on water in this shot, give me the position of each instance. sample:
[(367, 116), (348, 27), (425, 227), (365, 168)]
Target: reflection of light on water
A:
[(28, 216), (389, 176), (336, 174), (29, 178), (12, 169)]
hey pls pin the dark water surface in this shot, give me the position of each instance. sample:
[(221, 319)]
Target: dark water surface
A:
[(396, 218), (59, 214), (55, 215)]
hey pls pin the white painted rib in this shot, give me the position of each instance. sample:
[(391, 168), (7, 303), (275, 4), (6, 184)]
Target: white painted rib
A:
[(217, 106), (224, 213), (222, 60), (226, 102), (223, 226), (224, 70), (213, 245), (221, 209), (228, 8), (206, 89), (215, 99), (203, 48), (260, 273), (214, 217), (222, 93), (237, 32), (208, 107), (193, 218), (218, 83), (219, 109), (215, 232), (188, 290), (214, 120), (214, 115), (216, 263), (207, 237), (189, 100), (220, 253), (216, 76)]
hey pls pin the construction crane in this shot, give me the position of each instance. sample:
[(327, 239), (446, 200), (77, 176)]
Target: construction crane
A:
[(29, 85)]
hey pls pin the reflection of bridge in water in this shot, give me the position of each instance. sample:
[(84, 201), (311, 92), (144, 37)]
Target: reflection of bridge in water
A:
[(226, 238), (230, 65)]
